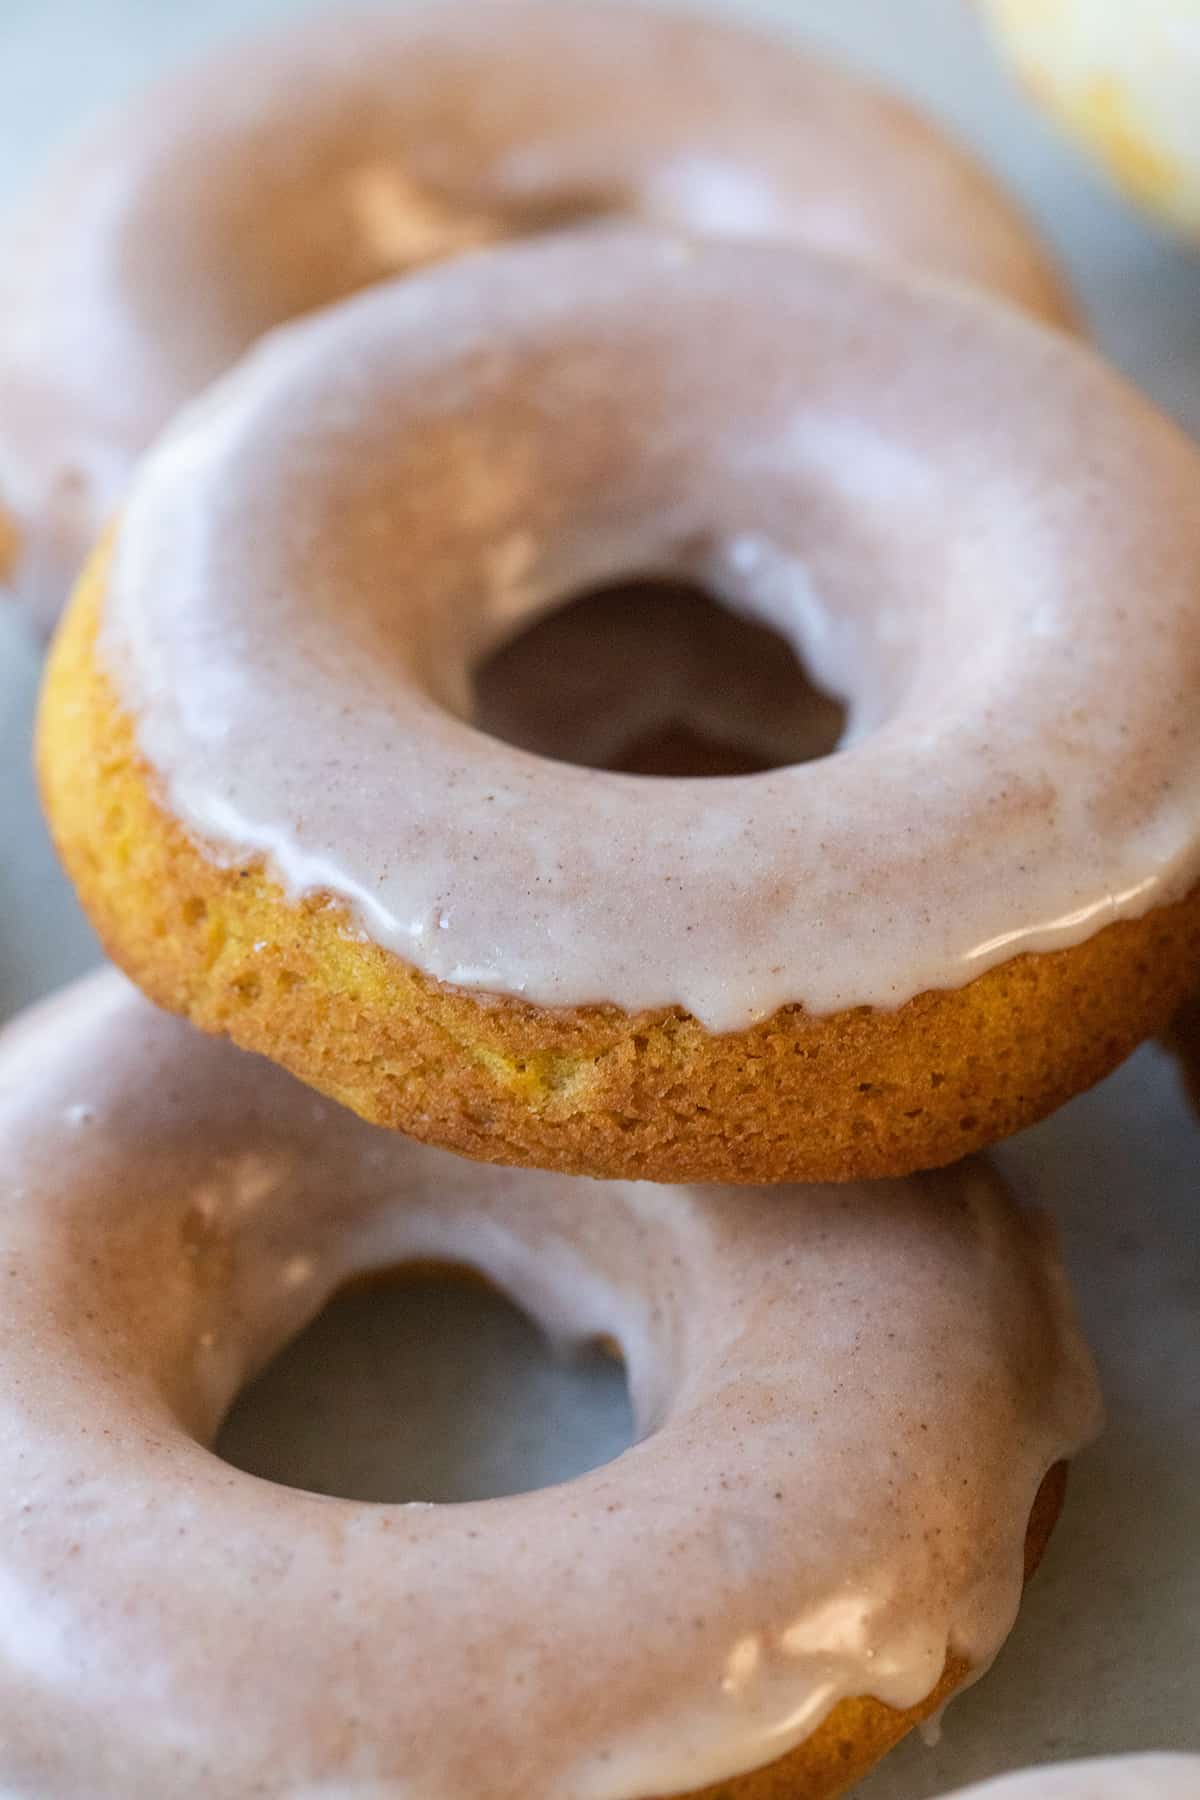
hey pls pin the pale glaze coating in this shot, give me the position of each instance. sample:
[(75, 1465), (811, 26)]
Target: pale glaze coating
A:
[(969, 528), (845, 1406), (290, 170), (1102, 1778)]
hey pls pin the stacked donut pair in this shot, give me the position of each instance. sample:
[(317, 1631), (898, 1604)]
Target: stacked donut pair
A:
[(696, 310)]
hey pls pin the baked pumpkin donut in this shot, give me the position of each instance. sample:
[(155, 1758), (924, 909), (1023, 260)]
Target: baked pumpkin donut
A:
[(258, 759), (1164, 1777), (851, 1416), (289, 171), (1123, 79)]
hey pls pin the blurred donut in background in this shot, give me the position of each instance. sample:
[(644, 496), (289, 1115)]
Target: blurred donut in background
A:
[(1123, 78), (283, 174)]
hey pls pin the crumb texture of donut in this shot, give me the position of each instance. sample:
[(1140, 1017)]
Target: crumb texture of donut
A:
[(588, 1090)]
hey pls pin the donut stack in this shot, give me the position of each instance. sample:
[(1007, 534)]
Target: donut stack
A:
[(380, 343)]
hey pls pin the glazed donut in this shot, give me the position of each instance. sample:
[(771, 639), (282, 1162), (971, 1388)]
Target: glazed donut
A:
[(1102, 1778), (1123, 79), (286, 173), (258, 761), (846, 1411)]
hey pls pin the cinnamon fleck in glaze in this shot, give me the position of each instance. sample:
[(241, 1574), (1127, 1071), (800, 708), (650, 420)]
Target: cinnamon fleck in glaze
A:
[(285, 173), (845, 1406), (969, 529)]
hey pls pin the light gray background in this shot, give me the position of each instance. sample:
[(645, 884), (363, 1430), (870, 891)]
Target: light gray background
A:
[(399, 1394)]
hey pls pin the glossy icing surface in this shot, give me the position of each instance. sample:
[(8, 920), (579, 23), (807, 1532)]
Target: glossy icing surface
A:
[(968, 529), (287, 172), (845, 1406), (1101, 1778)]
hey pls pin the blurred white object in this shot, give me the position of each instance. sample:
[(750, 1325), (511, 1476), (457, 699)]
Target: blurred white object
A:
[(1104, 1778), (1123, 77)]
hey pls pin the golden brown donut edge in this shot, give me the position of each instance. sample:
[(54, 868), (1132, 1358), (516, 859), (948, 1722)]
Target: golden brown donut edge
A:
[(593, 1090)]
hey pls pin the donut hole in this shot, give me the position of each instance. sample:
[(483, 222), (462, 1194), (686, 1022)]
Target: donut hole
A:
[(655, 677), (429, 1386)]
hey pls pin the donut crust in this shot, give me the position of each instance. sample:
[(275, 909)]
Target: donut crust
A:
[(855, 1095)]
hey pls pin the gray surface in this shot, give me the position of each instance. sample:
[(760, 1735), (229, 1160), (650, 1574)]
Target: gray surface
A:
[(1107, 1652), (466, 1401)]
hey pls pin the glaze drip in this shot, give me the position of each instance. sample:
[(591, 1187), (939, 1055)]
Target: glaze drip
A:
[(813, 1508)]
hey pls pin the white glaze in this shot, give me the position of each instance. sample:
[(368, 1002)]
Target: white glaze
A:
[(846, 1402), (286, 172), (966, 525), (1101, 1778)]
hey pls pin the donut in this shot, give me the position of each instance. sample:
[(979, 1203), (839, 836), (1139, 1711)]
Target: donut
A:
[(258, 759), (287, 172), (1123, 80), (728, 696), (846, 1412), (1164, 1777)]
